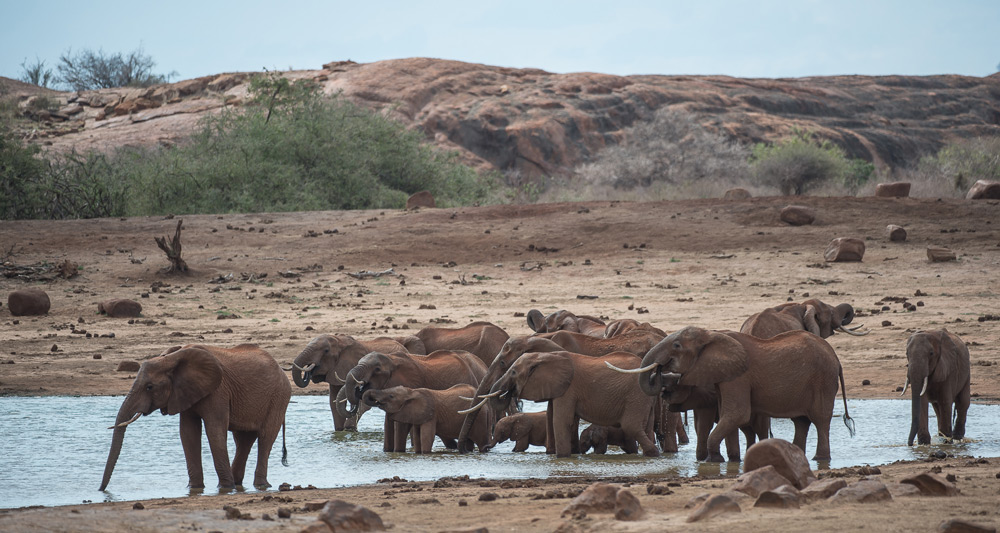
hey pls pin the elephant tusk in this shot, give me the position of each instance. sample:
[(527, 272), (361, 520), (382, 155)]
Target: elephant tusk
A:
[(631, 371), (853, 332), (288, 367), (855, 328), (905, 384), (342, 401), (466, 398), (309, 367), (492, 394), (338, 378), (924, 389), (476, 407), (123, 424)]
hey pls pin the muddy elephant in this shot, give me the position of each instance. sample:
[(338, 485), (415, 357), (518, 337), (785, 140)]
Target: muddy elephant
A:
[(792, 375), (429, 412), (564, 320), (437, 370), (812, 315), (327, 358), (938, 372), (483, 339), (238, 389), (600, 437), (579, 387), (525, 429), (624, 325)]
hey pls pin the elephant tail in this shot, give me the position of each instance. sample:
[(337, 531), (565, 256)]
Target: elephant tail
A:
[(284, 449), (848, 421)]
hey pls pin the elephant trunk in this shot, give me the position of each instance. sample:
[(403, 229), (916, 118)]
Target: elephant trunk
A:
[(126, 414), (470, 418), (298, 378), (914, 415), (651, 382), (846, 314), (918, 406), (341, 403)]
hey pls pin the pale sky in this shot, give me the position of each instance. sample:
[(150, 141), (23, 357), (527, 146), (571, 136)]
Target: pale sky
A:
[(752, 38)]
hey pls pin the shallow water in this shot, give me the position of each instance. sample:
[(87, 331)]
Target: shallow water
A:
[(54, 450)]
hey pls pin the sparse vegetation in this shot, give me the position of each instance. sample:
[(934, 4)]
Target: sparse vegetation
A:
[(88, 69), (962, 163), (36, 73), (801, 163)]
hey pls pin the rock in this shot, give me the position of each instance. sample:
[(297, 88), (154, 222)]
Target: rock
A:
[(714, 506), (597, 498), (798, 215), (316, 527), (627, 506), (940, 254), (823, 489), (128, 366), (957, 525), (224, 82), (344, 516), (843, 249), (697, 500), (284, 512), (134, 105), (420, 199), (120, 308), (737, 194), (72, 109), (783, 497), (762, 479), (28, 302), (931, 484), (488, 497), (900, 490), (865, 491), (787, 459), (984, 190), (896, 189), (467, 530), (895, 233)]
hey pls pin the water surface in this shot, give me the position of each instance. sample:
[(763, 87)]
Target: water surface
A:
[(55, 448)]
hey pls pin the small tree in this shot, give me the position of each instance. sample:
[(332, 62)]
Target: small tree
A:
[(36, 73), (88, 70), (799, 163)]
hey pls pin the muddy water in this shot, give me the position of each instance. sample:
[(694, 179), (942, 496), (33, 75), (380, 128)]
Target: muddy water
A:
[(54, 450)]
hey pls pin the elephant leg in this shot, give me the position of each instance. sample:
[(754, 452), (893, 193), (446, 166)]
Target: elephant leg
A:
[(822, 438), (191, 442), (338, 419), (450, 444), (943, 413), (426, 433), (923, 431), (703, 421), (801, 431), (961, 410), (522, 444), (400, 433), (727, 425), (681, 430), (265, 441), (671, 421), (389, 435), (244, 441), (216, 432), (563, 421), (601, 446), (575, 434), (550, 442)]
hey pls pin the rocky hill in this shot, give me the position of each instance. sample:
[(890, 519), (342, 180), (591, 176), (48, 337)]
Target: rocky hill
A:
[(540, 123)]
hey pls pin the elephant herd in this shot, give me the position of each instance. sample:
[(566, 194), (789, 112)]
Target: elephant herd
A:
[(631, 381)]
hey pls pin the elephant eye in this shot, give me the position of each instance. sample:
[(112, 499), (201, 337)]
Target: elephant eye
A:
[(149, 386), (677, 346)]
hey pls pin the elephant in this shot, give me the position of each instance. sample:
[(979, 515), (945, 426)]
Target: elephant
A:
[(483, 339), (638, 341), (624, 325), (328, 357), (437, 370), (938, 360), (430, 412), (599, 437), (240, 389), (579, 387), (812, 315), (792, 375), (564, 320), (523, 428)]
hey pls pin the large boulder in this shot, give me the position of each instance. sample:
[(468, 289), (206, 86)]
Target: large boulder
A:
[(984, 190), (940, 254), (783, 497), (606, 498), (28, 302), (120, 308), (931, 484), (823, 489), (864, 491), (420, 199), (798, 215), (845, 249), (714, 506), (788, 460), (737, 194), (339, 515), (896, 189), (754, 482), (895, 233)]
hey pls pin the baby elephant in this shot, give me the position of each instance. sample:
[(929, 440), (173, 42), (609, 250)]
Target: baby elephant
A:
[(599, 437), (523, 428), (431, 412)]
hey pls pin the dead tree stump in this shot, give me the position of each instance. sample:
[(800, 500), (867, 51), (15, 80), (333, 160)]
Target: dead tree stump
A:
[(173, 251)]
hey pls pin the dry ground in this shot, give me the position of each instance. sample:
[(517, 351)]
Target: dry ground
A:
[(707, 262)]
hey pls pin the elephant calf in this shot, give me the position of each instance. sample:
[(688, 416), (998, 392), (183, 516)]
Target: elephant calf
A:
[(599, 437), (523, 428), (430, 412)]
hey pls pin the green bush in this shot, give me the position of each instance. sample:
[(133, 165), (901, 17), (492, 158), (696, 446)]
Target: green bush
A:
[(962, 163), (800, 163), (88, 70), (21, 175)]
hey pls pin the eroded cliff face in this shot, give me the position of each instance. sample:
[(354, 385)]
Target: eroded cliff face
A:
[(540, 123)]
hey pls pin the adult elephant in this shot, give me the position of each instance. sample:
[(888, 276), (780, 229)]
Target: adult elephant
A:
[(579, 387), (939, 361), (637, 341), (329, 357), (437, 370), (238, 389), (564, 320), (484, 339), (624, 325), (792, 375), (812, 315), (430, 412)]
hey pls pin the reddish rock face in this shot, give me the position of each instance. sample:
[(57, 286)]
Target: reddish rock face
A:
[(896, 189)]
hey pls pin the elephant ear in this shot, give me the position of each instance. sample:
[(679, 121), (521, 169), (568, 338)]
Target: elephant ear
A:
[(536, 321), (722, 358), (196, 374), (548, 375), (418, 407), (809, 320)]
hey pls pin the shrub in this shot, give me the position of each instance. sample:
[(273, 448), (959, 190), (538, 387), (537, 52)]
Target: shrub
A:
[(962, 163), (800, 163), (88, 70), (36, 73)]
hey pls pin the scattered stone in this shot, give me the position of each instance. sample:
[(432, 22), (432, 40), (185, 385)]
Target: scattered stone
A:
[(284, 512), (901, 490), (788, 460), (931, 484), (783, 497), (232, 513), (939, 254), (762, 479), (895, 233), (420, 199), (700, 499), (597, 498), (138, 506), (868, 470), (627, 506), (737, 194), (864, 491), (843, 249), (896, 189), (655, 489), (823, 489), (798, 215), (957, 525), (344, 516), (28, 302), (984, 190), (284, 487), (488, 497), (714, 506), (120, 308), (467, 530), (463, 503)]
